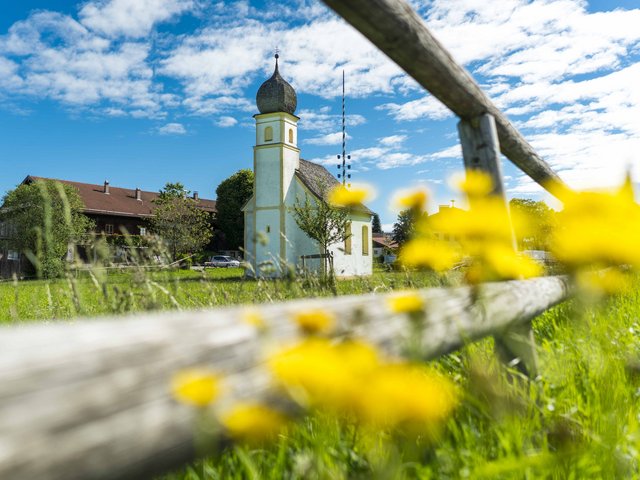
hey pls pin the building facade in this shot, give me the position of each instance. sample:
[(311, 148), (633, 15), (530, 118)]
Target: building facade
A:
[(273, 241), (114, 210)]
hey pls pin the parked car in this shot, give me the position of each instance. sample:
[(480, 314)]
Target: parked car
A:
[(222, 261)]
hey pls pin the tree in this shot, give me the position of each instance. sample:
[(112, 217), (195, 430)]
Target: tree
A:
[(178, 220), (403, 228), (46, 218), (322, 222), (376, 227), (232, 194), (533, 222)]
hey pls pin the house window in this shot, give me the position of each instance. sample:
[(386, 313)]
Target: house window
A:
[(291, 135), (347, 241), (268, 134), (13, 255), (143, 231), (365, 240), (108, 229)]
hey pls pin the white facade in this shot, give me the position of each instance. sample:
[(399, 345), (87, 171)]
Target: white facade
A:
[(274, 244)]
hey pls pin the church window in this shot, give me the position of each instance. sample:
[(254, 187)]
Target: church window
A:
[(365, 240), (268, 228), (347, 241), (291, 135), (268, 134)]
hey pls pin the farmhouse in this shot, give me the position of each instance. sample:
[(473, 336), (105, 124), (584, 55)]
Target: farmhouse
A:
[(273, 241), (114, 210)]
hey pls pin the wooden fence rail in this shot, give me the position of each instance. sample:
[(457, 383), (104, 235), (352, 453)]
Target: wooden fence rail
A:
[(400, 33), (91, 399)]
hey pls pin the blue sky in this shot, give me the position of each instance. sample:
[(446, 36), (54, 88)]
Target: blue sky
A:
[(143, 92)]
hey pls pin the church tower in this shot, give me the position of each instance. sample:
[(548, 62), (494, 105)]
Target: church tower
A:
[(276, 158)]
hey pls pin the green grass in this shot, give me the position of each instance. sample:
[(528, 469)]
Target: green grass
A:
[(102, 292), (580, 419)]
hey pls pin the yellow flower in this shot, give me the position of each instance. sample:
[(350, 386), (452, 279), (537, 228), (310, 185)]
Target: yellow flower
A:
[(254, 319), (319, 373), (252, 422), (408, 302), (608, 282), (597, 229), (506, 264), (350, 378), (433, 254), (413, 398), (488, 221), (475, 183), (315, 321), (341, 196), (197, 386), (414, 199)]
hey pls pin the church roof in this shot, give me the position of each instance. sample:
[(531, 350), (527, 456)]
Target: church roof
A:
[(276, 95), (119, 201), (319, 181)]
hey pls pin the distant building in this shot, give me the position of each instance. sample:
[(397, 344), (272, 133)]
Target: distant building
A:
[(113, 209), (383, 244), (272, 238)]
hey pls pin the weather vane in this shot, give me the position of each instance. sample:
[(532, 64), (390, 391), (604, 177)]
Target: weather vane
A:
[(344, 166)]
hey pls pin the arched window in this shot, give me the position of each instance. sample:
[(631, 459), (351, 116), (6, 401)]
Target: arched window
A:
[(347, 240), (365, 240), (268, 134), (291, 135)]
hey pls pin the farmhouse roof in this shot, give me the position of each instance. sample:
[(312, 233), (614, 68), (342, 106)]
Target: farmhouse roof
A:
[(319, 181), (119, 201)]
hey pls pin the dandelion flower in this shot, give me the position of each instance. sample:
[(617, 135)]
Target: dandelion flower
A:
[(408, 302), (341, 196), (475, 183), (197, 386), (315, 321), (254, 319), (434, 254), (252, 422), (412, 199)]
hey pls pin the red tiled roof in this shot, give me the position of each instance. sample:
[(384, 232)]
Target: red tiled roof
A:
[(384, 241), (119, 201)]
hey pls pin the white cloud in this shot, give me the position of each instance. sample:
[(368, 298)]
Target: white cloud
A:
[(130, 18), (52, 56), (226, 122), (392, 140), (426, 107), (172, 129), (322, 121), (328, 139), (385, 155)]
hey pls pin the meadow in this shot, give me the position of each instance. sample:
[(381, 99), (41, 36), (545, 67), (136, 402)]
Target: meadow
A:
[(578, 419)]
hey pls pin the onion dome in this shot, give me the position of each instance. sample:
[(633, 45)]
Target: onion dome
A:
[(276, 95)]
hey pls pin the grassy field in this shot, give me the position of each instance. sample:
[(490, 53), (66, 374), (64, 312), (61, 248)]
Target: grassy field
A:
[(102, 292), (580, 419)]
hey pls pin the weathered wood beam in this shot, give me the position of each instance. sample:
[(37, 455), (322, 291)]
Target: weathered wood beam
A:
[(400, 33), (91, 400), (481, 151)]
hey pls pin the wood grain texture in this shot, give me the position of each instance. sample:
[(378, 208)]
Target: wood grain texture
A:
[(91, 400), (400, 33)]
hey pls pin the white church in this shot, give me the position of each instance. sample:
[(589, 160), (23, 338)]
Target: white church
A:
[(273, 242)]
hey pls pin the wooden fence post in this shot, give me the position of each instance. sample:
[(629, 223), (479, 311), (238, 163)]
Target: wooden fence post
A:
[(481, 151)]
